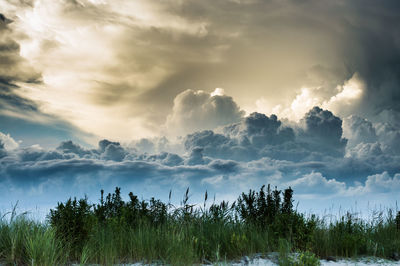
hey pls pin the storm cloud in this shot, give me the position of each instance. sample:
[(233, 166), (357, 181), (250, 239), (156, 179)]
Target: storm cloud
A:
[(220, 95), (344, 58)]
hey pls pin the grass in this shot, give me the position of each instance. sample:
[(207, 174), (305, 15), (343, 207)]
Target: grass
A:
[(115, 232)]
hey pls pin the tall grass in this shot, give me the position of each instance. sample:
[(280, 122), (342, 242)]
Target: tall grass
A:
[(117, 232), (27, 242)]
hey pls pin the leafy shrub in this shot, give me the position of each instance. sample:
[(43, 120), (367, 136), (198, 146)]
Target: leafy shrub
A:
[(73, 222)]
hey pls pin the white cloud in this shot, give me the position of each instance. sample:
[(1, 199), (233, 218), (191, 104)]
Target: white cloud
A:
[(218, 92), (348, 95), (342, 102), (8, 141), (315, 183), (382, 183)]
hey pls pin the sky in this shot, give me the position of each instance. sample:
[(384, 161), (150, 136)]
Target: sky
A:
[(216, 95)]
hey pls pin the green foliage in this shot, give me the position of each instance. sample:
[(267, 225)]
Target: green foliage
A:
[(73, 222), (43, 248), (23, 242), (12, 240), (115, 231), (287, 258)]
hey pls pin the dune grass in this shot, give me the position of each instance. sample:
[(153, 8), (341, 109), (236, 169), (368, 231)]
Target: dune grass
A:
[(114, 232)]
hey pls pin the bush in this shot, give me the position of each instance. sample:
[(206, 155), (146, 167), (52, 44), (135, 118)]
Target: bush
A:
[(73, 222)]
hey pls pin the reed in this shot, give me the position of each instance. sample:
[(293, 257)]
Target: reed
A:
[(116, 232)]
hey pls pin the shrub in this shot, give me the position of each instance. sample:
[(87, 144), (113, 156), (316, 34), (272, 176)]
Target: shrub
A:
[(73, 222)]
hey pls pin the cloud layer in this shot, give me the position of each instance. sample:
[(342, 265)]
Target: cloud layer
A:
[(312, 156)]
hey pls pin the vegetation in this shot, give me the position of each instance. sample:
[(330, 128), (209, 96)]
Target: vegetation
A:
[(114, 231)]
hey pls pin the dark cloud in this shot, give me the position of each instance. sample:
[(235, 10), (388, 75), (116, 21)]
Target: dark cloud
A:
[(3, 151), (166, 158), (13, 67), (211, 144), (260, 130), (70, 147), (113, 152), (323, 132), (196, 157), (37, 154), (260, 136)]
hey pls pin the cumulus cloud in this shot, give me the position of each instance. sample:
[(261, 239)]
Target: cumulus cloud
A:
[(113, 152), (8, 142), (323, 132), (209, 163), (381, 134), (343, 100), (366, 150), (389, 136), (70, 147), (382, 183), (357, 130), (316, 183), (199, 110), (257, 136), (261, 130)]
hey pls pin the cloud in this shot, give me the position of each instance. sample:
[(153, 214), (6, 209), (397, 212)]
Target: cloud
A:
[(323, 132), (135, 66), (13, 67), (70, 147), (366, 150), (8, 142), (389, 136), (3, 151), (20, 115), (315, 183), (114, 69), (342, 99), (166, 158), (199, 110), (209, 164), (257, 136), (196, 157), (113, 152), (383, 133), (357, 130), (261, 130), (348, 96), (382, 183)]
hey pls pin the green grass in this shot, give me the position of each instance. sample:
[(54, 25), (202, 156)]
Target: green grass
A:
[(114, 232)]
